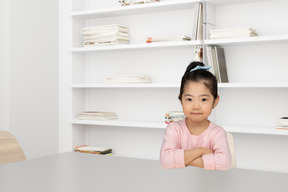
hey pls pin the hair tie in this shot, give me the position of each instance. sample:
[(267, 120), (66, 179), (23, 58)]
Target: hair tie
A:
[(200, 67)]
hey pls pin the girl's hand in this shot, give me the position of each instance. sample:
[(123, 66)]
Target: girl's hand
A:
[(205, 150), (192, 154), (198, 162)]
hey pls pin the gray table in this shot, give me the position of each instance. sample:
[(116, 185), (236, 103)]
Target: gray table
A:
[(69, 172)]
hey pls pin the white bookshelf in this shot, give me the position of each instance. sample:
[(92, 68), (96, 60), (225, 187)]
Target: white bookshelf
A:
[(250, 103)]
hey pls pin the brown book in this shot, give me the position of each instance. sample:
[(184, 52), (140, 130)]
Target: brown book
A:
[(92, 149)]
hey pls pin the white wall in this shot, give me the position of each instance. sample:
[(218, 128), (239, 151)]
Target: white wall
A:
[(4, 64), (32, 76)]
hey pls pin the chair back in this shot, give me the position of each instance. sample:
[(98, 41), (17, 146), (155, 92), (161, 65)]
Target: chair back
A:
[(10, 149), (230, 140)]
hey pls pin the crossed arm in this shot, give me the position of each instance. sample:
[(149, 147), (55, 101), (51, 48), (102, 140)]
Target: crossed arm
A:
[(173, 156), (193, 157)]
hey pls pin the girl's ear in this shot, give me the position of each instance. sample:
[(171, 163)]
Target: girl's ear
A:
[(216, 101), (180, 99)]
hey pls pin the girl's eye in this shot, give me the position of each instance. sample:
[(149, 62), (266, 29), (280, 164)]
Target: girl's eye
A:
[(188, 99), (204, 99)]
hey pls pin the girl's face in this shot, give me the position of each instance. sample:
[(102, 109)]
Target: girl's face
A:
[(197, 101)]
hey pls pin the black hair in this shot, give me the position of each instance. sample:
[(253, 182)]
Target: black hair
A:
[(198, 75)]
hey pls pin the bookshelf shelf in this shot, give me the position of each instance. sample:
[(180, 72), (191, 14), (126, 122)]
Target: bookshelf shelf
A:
[(138, 46), (229, 2), (121, 123), (162, 125), (177, 85), (255, 130), (152, 85), (253, 85), (249, 40), (136, 9)]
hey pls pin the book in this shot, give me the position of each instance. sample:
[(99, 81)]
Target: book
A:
[(199, 35), (215, 64), (221, 64), (135, 2), (107, 41), (216, 59), (96, 115), (210, 59), (106, 35), (172, 116), (232, 33), (195, 21), (168, 38), (93, 149), (127, 79), (244, 29), (104, 31), (105, 27), (197, 31), (282, 128), (101, 43), (283, 123)]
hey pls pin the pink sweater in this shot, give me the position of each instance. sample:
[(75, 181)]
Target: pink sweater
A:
[(177, 138)]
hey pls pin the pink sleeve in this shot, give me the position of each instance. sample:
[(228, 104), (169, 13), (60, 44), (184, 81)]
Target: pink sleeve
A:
[(221, 159), (171, 155)]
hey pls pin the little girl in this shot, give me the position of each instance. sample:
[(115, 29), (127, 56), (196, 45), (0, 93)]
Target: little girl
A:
[(195, 141)]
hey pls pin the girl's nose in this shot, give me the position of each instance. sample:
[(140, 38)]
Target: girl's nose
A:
[(196, 105)]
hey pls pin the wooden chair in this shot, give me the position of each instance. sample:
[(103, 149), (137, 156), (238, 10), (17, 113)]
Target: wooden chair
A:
[(10, 149), (230, 140)]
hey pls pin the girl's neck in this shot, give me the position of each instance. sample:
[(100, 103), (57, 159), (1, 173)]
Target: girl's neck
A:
[(197, 128)]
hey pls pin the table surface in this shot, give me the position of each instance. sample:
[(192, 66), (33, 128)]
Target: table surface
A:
[(69, 172)]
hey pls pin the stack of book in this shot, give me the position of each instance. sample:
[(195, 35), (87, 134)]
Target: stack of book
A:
[(93, 149), (283, 123), (166, 38), (96, 115), (216, 59), (105, 35), (232, 33), (172, 116), (127, 79)]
